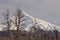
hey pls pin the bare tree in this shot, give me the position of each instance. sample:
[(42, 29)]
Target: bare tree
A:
[(17, 22), (7, 21), (6, 18)]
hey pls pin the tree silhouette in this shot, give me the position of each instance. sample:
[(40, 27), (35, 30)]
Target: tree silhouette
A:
[(7, 21)]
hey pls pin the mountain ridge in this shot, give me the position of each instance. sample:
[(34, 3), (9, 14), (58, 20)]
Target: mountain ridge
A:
[(29, 22)]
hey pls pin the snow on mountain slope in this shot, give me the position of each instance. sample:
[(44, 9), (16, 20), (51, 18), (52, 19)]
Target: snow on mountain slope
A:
[(27, 23), (47, 26)]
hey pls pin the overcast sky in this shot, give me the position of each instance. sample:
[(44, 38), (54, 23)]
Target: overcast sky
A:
[(48, 10)]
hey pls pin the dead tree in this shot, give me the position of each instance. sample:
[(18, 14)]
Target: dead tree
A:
[(17, 22), (6, 18), (7, 21)]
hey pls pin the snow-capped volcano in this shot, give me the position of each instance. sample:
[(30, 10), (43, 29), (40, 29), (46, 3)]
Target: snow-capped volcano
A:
[(28, 22)]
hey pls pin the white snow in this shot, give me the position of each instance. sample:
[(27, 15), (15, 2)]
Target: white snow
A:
[(29, 22)]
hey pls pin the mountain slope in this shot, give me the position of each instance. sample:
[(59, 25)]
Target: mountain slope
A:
[(28, 22)]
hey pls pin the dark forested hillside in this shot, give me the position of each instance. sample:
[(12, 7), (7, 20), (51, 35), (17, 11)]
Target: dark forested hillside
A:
[(37, 35)]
